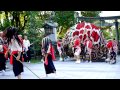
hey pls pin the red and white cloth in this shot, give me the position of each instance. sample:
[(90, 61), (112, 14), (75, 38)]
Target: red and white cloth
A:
[(50, 51), (59, 47), (84, 30), (89, 45), (112, 44), (77, 46)]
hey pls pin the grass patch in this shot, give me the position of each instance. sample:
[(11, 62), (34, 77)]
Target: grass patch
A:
[(35, 60)]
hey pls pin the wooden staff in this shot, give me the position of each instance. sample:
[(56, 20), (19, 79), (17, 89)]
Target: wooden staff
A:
[(26, 67)]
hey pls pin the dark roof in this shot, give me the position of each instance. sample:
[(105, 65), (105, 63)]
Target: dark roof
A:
[(50, 24)]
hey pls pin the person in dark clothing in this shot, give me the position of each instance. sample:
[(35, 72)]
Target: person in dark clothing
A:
[(15, 49), (83, 52), (3, 50), (112, 56), (47, 52)]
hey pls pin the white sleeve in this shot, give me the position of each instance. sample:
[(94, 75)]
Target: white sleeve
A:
[(48, 51)]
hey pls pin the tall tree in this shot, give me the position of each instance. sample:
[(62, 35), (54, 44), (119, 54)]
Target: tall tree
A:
[(34, 24), (14, 18), (65, 20)]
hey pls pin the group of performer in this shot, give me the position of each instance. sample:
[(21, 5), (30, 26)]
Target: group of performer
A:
[(81, 49), (17, 49), (75, 44), (14, 48)]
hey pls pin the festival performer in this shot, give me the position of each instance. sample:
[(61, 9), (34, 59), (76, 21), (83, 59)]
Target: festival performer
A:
[(112, 47), (15, 49), (6, 46), (48, 54), (89, 45), (26, 45), (59, 47), (77, 49), (3, 50)]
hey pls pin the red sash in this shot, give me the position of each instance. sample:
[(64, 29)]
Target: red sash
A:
[(11, 57), (52, 53)]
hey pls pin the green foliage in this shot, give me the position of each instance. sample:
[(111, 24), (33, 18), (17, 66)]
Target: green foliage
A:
[(64, 19), (107, 34), (6, 24), (90, 14), (35, 60), (33, 29), (18, 19), (28, 22)]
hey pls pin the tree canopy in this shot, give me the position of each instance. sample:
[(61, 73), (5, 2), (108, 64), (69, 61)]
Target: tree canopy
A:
[(65, 20), (90, 14)]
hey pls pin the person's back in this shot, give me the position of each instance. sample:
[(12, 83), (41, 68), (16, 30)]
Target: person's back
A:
[(45, 43)]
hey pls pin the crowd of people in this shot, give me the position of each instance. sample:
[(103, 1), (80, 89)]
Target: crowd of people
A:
[(80, 50), (17, 49)]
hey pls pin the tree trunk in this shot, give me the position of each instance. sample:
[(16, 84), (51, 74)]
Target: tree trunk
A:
[(17, 19), (25, 21), (6, 15), (12, 21)]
